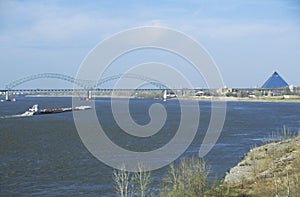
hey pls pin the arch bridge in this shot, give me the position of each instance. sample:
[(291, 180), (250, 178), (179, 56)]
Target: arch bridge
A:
[(85, 84)]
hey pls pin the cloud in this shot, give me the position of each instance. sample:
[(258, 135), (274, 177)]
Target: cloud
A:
[(41, 24), (64, 28), (32, 23)]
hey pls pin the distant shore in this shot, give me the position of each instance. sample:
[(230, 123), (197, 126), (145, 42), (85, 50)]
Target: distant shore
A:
[(200, 98), (246, 99)]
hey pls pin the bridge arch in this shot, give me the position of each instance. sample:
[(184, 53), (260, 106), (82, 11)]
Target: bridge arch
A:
[(151, 81), (86, 84), (20, 81)]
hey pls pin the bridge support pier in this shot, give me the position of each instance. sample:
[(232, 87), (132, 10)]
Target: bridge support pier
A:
[(6, 95), (89, 95)]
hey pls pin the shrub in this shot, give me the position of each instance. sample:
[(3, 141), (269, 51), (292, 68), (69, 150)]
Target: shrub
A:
[(189, 178)]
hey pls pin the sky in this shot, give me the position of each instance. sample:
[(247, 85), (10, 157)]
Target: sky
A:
[(248, 40)]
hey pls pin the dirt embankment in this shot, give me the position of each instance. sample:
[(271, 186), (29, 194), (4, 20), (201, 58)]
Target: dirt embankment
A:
[(269, 170)]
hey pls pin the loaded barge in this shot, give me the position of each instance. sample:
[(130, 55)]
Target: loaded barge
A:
[(34, 110)]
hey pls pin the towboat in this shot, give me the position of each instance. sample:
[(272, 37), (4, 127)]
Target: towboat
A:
[(31, 111)]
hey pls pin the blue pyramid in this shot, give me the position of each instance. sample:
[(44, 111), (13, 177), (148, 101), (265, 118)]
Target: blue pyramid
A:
[(275, 81)]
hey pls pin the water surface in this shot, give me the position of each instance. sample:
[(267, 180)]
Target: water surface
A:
[(44, 156)]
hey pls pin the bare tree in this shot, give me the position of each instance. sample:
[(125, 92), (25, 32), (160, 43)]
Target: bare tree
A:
[(128, 184), (122, 182)]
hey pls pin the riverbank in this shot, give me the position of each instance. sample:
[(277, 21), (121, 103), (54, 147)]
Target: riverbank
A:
[(242, 99), (198, 98), (269, 170)]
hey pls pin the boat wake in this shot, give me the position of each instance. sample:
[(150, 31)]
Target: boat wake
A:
[(15, 116)]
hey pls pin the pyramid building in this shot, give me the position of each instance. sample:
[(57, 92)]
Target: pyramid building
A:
[(275, 81)]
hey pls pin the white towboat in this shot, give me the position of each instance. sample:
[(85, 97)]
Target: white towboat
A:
[(31, 111)]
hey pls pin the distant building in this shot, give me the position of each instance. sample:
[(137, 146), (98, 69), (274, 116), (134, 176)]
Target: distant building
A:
[(275, 81)]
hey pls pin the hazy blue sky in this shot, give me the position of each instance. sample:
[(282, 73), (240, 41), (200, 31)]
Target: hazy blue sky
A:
[(248, 40)]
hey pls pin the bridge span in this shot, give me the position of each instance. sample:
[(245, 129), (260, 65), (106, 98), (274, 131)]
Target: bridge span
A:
[(84, 83), (91, 93)]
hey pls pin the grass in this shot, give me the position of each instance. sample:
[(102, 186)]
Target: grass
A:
[(275, 169), (283, 172)]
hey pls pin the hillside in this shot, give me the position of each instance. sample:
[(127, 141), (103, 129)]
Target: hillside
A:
[(269, 170)]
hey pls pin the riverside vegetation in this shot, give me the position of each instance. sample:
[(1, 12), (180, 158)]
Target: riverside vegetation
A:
[(272, 169)]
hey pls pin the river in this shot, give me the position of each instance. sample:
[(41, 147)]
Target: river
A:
[(43, 155)]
